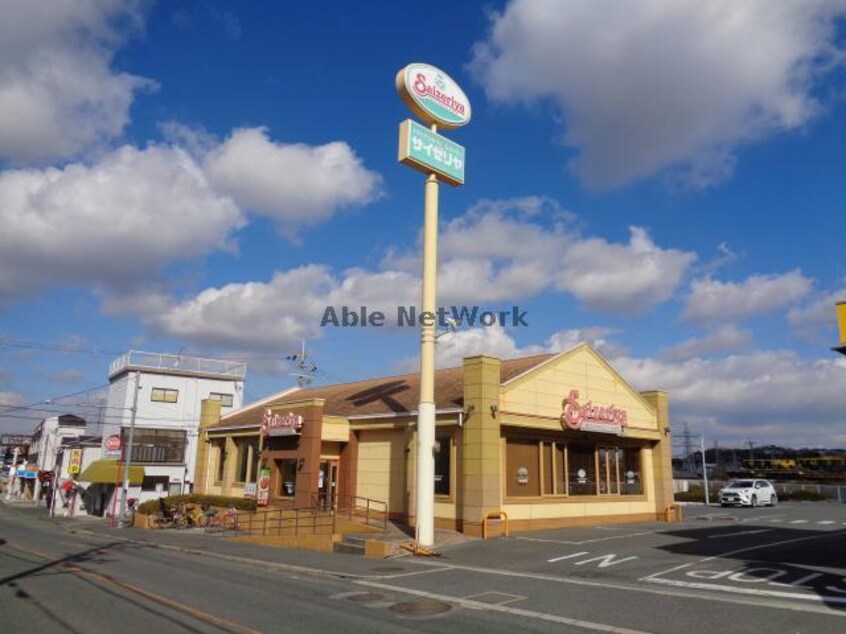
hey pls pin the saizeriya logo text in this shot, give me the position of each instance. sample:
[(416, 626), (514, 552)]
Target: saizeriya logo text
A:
[(410, 316)]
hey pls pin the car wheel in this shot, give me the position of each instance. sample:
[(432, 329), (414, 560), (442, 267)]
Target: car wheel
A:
[(754, 501), (774, 500)]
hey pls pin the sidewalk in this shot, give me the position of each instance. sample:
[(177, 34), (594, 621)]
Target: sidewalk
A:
[(196, 541)]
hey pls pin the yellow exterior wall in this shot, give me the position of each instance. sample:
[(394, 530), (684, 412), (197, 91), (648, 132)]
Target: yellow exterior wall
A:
[(381, 467), (594, 508), (541, 393), (335, 429), (841, 321)]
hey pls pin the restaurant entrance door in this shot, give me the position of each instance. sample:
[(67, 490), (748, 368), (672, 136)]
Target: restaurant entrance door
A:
[(328, 484)]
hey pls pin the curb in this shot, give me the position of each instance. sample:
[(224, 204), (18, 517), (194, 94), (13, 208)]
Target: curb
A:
[(317, 572)]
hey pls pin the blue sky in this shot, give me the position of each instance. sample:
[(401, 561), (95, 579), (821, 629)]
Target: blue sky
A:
[(661, 179)]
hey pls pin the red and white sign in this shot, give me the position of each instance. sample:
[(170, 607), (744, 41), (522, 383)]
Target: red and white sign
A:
[(276, 424), (590, 417), (112, 446)]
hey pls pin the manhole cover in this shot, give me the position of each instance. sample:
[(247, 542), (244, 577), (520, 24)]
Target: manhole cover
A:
[(365, 596), (388, 569), (420, 608)]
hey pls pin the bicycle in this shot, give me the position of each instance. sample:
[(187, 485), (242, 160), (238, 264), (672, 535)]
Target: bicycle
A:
[(222, 520)]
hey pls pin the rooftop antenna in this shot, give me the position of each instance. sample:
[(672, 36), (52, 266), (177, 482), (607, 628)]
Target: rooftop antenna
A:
[(305, 367)]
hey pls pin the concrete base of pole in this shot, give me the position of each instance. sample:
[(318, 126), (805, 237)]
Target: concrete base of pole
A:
[(426, 475)]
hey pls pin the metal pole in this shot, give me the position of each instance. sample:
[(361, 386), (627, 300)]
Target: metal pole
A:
[(704, 470), (128, 454), (13, 473), (426, 408)]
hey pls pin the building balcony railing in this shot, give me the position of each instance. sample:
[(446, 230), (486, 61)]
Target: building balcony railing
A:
[(135, 359)]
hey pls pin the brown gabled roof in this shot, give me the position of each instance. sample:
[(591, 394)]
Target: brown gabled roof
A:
[(386, 395)]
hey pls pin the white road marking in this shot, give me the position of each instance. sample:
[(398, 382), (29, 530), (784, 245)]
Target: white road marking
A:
[(798, 522), (776, 520), (586, 541), (763, 530), (605, 584), (479, 605), (605, 560), (750, 591), (731, 553), (554, 559), (826, 522)]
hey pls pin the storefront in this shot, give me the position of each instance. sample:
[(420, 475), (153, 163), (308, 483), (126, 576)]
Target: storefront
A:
[(552, 440)]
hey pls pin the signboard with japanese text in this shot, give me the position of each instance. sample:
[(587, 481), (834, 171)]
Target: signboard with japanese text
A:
[(75, 460), (429, 152)]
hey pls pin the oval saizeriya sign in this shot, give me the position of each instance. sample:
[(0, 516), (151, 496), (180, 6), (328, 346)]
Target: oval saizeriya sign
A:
[(433, 96)]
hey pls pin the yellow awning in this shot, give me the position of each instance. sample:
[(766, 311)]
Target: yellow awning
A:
[(110, 472)]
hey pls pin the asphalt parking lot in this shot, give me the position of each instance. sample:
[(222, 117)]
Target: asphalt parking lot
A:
[(780, 569)]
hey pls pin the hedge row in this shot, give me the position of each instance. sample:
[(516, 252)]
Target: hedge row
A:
[(151, 507)]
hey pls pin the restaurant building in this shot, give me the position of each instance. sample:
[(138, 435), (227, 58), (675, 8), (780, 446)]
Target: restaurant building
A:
[(551, 440)]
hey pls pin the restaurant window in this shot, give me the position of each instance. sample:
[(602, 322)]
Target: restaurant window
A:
[(630, 475), (522, 462), (581, 469), (287, 471), (560, 468), (245, 470), (225, 399), (149, 446), (443, 466), (220, 445), (548, 472), (163, 395), (608, 476)]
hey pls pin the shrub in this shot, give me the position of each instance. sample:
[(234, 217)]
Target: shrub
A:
[(151, 507), (801, 496), (696, 493)]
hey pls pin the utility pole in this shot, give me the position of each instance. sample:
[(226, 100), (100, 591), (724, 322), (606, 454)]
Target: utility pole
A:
[(687, 443), (305, 367), (13, 472), (716, 457), (127, 452), (704, 470), (751, 453)]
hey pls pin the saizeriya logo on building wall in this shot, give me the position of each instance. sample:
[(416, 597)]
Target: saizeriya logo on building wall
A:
[(275, 424), (590, 417), (433, 96)]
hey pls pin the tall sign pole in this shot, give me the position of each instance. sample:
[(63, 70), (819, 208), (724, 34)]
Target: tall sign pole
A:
[(434, 97), (127, 452)]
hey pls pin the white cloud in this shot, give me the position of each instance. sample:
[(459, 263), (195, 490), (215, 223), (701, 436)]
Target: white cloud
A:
[(644, 86), (774, 396), (484, 260), (114, 222), (623, 279), (484, 257), (817, 321), (272, 315), (495, 341), (295, 184), (710, 300), (771, 396), (58, 94), (721, 340)]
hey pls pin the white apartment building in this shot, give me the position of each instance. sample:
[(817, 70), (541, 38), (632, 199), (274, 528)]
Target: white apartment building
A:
[(47, 438), (170, 388)]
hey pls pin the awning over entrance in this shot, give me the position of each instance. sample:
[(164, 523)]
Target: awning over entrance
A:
[(110, 472)]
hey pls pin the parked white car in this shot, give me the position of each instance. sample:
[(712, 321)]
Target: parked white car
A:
[(749, 493)]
